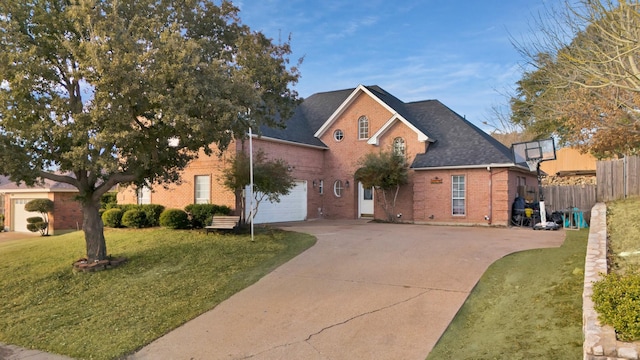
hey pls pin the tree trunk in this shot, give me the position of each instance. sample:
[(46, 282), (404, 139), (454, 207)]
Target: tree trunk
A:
[(93, 233)]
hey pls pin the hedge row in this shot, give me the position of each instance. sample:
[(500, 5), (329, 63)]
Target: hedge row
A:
[(194, 216), (132, 215)]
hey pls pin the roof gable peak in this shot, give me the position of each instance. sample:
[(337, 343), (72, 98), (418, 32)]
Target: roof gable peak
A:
[(360, 89)]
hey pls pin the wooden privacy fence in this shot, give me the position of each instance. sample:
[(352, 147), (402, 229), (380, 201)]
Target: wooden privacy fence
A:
[(561, 197), (618, 179)]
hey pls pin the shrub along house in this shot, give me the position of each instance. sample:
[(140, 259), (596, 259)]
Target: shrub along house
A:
[(458, 173)]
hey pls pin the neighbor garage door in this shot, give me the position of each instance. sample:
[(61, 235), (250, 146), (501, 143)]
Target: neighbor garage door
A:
[(292, 207), (20, 215)]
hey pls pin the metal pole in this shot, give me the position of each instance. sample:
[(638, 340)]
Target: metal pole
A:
[(251, 180)]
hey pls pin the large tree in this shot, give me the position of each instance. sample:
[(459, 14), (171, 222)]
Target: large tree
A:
[(585, 82), (96, 93)]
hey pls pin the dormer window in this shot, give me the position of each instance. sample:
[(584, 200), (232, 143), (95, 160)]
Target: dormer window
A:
[(363, 128), (399, 148)]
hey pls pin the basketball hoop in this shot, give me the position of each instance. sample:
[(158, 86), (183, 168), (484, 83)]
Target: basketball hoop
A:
[(533, 153), (533, 164)]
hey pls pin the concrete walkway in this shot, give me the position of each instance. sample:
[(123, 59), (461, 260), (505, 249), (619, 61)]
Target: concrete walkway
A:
[(364, 291)]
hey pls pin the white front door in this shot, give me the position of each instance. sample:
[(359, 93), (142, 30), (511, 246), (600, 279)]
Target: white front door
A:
[(365, 201)]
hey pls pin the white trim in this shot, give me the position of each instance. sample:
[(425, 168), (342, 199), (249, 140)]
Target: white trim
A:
[(345, 104), (267, 138), (469, 167), (375, 138), (17, 191)]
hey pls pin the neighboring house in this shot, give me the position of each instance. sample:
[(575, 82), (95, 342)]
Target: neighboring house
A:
[(571, 167), (458, 173), (66, 215)]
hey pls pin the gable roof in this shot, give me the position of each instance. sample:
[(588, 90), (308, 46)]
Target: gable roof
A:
[(454, 141), (458, 143)]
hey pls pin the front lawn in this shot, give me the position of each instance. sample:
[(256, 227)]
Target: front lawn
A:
[(171, 277), (527, 305)]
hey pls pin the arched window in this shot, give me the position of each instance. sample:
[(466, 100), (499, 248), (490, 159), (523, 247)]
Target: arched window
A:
[(338, 188), (399, 146), (363, 128)]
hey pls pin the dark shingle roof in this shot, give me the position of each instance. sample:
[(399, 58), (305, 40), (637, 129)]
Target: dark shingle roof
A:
[(309, 116), (457, 142), (48, 185)]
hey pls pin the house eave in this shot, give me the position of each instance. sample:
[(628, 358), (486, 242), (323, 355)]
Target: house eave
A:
[(33, 191), (375, 139), (458, 167), (276, 140)]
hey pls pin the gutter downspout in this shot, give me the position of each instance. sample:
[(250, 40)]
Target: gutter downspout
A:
[(489, 217)]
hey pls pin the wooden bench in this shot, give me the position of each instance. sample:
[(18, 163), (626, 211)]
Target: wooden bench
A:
[(222, 222)]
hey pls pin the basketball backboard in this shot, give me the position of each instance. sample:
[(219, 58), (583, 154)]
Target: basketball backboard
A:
[(536, 150)]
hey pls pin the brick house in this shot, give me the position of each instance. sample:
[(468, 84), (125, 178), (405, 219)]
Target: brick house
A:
[(458, 173), (66, 214)]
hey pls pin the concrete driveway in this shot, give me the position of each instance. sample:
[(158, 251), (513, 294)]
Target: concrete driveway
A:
[(364, 291)]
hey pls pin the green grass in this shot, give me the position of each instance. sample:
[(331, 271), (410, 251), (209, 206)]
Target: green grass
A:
[(527, 305), (171, 277), (623, 230)]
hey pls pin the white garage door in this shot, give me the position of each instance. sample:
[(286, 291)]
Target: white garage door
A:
[(292, 207), (20, 215)]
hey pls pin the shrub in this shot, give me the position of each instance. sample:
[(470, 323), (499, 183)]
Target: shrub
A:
[(174, 219), (201, 214), (152, 211), (1, 222), (36, 223), (112, 218), (39, 205), (616, 298), (44, 207), (134, 218), (109, 200)]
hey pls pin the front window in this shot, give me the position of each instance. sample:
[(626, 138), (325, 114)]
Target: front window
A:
[(458, 203), (321, 187), (202, 189), (398, 146), (363, 128), (144, 195), (338, 188)]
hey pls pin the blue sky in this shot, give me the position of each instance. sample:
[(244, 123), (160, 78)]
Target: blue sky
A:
[(456, 51)]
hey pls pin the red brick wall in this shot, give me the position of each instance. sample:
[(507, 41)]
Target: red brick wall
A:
[(413, 147), (67, 213), (342, 160), (179, 196), (7, 211), (487, 194), (306, 163)]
